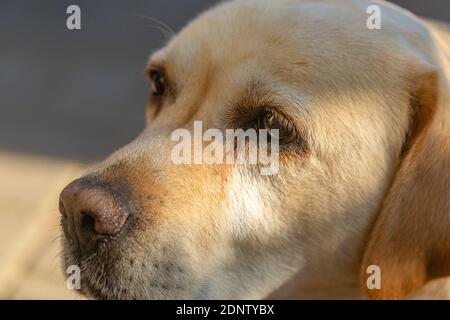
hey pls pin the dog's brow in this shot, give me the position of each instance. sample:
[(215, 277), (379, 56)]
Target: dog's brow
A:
[(255, 94), (153, 65)]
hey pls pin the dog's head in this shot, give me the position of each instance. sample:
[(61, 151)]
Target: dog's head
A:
[(360, 115)]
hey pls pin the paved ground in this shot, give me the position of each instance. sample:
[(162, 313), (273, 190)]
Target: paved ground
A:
[(29, 246), (68, 99)]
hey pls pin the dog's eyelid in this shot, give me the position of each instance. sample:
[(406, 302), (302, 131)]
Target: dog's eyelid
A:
[(282, 117), (298, 127), (155, 63), (152, 68)]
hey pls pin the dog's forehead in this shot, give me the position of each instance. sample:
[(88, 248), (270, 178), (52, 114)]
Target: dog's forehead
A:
[(288, 35), (304, 54)]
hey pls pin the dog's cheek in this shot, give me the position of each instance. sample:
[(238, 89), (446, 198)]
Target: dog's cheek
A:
[(252, 205), (181, 226)]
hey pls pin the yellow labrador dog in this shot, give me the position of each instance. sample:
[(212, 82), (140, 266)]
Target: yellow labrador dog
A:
[(363, 185)]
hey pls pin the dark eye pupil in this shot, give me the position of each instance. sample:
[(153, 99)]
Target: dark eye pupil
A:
[(157, 83), (271, 122)]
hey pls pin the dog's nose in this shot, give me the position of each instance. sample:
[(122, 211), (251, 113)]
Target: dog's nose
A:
[(91, 211)]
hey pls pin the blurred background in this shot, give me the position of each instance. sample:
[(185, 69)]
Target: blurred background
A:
[(68, 99)]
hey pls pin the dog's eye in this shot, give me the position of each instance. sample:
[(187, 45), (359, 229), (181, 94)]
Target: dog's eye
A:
[(157, 82), (286, 132)]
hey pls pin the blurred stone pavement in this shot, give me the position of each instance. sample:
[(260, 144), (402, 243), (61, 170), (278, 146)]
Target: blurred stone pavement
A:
[(29, 226)]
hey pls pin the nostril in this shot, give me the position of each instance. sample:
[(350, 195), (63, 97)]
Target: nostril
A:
[(87, 222), (103, 221), (62, 209)]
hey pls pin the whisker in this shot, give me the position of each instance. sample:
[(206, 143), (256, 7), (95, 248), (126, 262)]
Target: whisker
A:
[(56, 238), (164, 28)]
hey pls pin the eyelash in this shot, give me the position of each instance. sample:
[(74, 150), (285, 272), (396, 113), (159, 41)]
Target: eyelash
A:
[(242, 117), (287, 132)]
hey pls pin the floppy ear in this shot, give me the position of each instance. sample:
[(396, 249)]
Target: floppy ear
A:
[(410, 240)]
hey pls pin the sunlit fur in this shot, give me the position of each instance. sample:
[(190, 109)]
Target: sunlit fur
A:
[(373, 186)]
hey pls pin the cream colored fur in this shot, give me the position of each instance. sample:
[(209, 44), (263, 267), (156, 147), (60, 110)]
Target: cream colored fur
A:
[(374, 186)]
